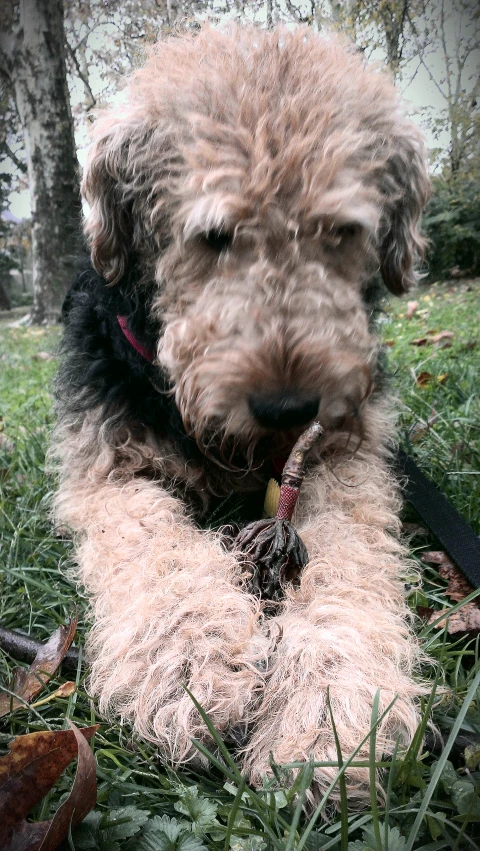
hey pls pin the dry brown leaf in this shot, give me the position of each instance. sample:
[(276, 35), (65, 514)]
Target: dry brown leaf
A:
[(28, 772), (27, 682), (82, 798), (458, 586), (467, 619), (433, 337), (421, 428), (423, 378), (389, 343), (442, 335), (411, 308), (437, 557), (65, 690)]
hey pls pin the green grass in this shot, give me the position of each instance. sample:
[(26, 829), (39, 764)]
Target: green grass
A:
[(450, 450), (432, 799)]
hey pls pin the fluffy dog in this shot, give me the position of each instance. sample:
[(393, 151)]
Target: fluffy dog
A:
[(242, 200)]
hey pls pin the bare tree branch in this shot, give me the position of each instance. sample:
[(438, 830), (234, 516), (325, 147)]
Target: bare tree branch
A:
[(421, 57), (12, 155), (81, 75)]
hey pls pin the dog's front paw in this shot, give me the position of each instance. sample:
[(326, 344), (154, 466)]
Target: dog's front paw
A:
[(318, 675), (301, 729), (207, 641)]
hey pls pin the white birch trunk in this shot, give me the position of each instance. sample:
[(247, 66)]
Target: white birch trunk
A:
[(41, 93)]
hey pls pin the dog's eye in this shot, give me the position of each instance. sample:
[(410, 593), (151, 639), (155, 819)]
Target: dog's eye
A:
[(219, 240), (347, 231)]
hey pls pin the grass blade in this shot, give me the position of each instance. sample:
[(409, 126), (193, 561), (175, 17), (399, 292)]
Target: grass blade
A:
[(441, 763), (373, 772), (341, 782), (233, 814), (314, 818), (306, 780)]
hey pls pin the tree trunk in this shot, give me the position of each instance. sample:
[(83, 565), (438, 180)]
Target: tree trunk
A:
[(4, 298), (42, 98)]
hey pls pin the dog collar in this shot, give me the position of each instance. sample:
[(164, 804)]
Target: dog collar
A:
[(144, 351), (272, 497)]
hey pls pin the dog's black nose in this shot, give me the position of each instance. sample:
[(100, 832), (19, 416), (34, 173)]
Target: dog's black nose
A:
[(283, 410)]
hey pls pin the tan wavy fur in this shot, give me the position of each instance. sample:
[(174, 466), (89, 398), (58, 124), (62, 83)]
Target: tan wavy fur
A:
[(303, 153)]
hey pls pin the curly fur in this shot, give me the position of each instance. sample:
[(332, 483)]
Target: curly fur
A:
[(242, 200)]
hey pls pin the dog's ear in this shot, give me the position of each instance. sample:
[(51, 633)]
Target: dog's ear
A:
[(108, 224), (406, 189)]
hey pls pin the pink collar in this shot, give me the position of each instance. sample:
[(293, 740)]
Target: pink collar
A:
[(146, 353)]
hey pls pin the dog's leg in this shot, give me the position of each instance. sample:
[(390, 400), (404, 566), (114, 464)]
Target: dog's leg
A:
[(344, 632), (168, 610)]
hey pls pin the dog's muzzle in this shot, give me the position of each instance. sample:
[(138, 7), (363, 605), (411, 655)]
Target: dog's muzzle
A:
[(283, 410)]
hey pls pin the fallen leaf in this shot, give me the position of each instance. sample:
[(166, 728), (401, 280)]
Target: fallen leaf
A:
[(81, 800), (65, 690), (422, 427), (437, 557), (27, 682), (467, 619), (34, 763), (423, 378), (411, 308), (458, 586), (441, 378), (433, 337), (389, 343), (442, 335)]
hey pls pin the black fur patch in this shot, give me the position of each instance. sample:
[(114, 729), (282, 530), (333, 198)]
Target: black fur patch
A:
[(101, 369)]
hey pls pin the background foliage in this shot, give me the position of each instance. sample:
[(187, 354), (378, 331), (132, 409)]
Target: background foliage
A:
[(452, 224)]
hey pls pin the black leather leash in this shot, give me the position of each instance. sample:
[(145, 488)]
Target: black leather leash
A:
[(455, 535)]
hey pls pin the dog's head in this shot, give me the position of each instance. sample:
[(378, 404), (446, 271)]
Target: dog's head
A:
[(261, 179)]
